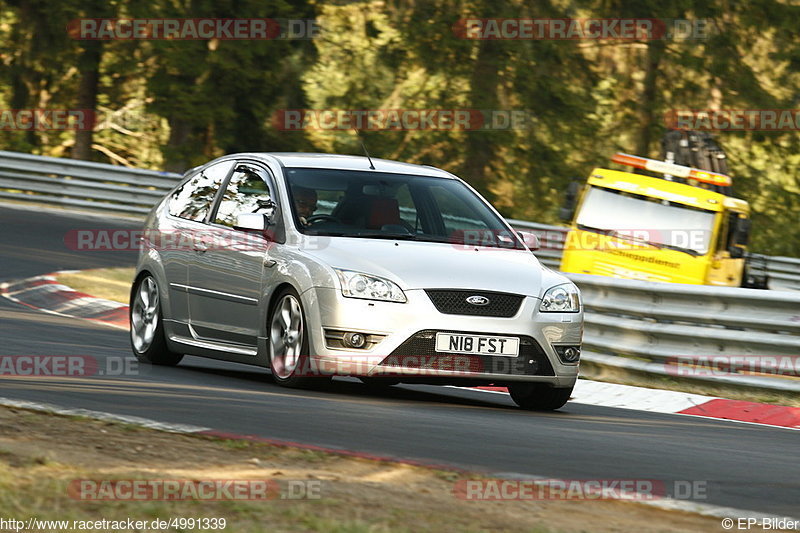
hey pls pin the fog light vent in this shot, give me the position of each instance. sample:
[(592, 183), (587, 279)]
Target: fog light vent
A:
[(569, 354), (340, 339), (354, 340)]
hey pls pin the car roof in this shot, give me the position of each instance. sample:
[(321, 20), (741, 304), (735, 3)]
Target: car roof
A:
[(347, 162)]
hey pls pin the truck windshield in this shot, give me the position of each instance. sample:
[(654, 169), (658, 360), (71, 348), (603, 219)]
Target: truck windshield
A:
[(645, 219)]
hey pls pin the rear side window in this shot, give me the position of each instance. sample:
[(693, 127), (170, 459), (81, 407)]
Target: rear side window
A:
[(193, 199)]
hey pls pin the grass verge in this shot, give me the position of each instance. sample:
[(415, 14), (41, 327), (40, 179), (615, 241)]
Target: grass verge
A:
[(109, 283), (41, 454)]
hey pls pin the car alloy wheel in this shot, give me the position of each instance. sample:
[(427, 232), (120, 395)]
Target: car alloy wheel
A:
[(286, 333), (144, 315), (148, 339)]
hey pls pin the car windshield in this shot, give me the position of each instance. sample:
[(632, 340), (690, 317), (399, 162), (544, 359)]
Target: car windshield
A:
[(381, 205), (646, 219)]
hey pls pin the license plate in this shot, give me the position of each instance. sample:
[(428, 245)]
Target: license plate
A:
[(477, 344)]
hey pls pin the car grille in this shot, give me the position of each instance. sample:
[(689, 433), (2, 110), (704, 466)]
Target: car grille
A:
[(454, 302), (418, 351)]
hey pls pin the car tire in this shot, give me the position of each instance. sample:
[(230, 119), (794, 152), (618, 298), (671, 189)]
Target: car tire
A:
[(539, 396), (147, 337), (287, 342)]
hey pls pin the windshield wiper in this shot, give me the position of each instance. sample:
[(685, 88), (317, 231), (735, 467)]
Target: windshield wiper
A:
[(693, 253), (595, 230), (413, 237), (658, 245), (406, 236), (362, 234), (631, 238)]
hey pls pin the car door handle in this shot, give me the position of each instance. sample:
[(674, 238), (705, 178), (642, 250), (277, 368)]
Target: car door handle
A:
[(200, 246)]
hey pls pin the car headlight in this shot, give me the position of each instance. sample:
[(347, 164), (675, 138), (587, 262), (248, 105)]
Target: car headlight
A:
[(563, 298), (358, 285)]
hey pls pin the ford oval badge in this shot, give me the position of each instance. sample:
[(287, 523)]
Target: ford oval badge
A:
[(478, 300)]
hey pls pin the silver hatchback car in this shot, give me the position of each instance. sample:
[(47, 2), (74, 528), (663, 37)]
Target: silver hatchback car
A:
[(317, 265)]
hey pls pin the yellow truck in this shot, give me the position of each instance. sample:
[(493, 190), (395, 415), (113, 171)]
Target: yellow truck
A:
[(676, 228)]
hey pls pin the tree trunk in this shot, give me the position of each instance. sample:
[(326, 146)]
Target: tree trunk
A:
[(180, 131), (647, 105), (19, 72), (483, 96), (87, 97)]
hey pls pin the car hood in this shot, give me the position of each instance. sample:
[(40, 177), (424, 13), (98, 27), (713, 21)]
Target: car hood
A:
[(426, 265)]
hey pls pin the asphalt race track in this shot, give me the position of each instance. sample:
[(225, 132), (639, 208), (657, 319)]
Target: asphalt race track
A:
[(745, 466)]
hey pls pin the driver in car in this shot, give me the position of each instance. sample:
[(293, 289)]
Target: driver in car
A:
[(305, 202)]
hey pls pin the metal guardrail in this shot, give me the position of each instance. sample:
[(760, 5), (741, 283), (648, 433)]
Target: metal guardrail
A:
[(650, 323), (81, 184), (662, 327), (783, 273)]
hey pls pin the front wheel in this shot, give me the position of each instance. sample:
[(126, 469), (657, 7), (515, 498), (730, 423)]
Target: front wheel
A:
[(539, 396), (288, 342), (147, 325)]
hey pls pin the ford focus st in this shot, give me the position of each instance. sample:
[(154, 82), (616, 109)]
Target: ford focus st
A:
[(318, 265)]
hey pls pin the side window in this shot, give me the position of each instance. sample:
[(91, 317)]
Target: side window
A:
[(247, 192), (193, 199)]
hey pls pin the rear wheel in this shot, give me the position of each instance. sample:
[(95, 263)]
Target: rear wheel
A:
[(539, 396), (147, 326), (288, 342)]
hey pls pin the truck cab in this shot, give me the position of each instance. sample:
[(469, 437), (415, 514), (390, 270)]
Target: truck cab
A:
[(676, 229)]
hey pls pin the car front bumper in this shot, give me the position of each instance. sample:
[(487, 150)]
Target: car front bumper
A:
[(402, 345)]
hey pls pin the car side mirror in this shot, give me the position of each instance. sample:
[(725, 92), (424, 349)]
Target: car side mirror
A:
[(740, 236), (267, 208), (251, 222), (741, 231), (531, 240)]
